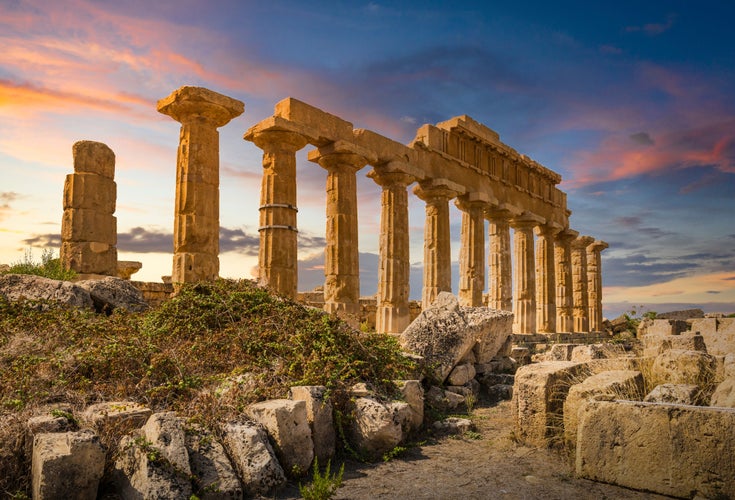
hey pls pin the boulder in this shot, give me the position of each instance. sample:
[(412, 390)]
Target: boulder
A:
[(499, 392), (287, 424), (444, 333), (413, 394), (461, 374), (15, 287), (319, 416), (67, 465), (164, 432), (655, 344), (112, 293), (560, 352), (444, 400), (681, 394), (211, 470), (718, 333), (596, 351), (677, 366), (253, 457), (375, 429), (120, 415), (617, 384), (682, 451), (724, 395), (453, 425)]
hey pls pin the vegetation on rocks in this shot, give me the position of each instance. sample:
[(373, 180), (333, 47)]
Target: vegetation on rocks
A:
[(48, 267), (206, 353)]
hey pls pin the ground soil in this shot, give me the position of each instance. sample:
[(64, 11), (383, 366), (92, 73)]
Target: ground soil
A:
[(491, 465)]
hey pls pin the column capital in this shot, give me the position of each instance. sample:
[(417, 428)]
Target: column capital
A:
[(526, 220), (567, 235), (597, 246), (274, 139), (549, 230), (437, 189), (339, 154), (189, 104), (387, 177), (582, 242), (474, 201)]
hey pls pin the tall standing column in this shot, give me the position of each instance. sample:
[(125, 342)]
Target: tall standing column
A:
[(196, 221), (524, 280), (545, 279), (564, 288), (579, 283), (341, 255), (437, 245), (594, 283), (500, 286), (472, 250), (392, 314), (278, 253)]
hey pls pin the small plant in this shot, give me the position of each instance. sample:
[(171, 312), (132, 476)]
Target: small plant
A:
[(49, 267), (322, 487), (469, 401), (473, 435), (395, 452), (65, 414)]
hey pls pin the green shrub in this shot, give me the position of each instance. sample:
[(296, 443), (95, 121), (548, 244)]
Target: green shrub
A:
[(322, 487), (49, 267)]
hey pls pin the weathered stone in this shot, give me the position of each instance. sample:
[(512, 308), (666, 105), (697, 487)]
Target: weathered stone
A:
[(112, 293), (89, 257), (91, 192), (127, 268), (120, 415), (25, 286), (655, 344), (724, 394), (652, 447), (67, 465), (493, 328), (319, 416), (212, 473), (165, 433), (461, 374), (681, 315), (618, 384), (47, 423), (560, 352), (524, 276), (521, 355), (374, 430), (251, 453), (594, 284), (680, 394), (718, 333), (453, 425), (580, 283), (413, 394), (538, 399), (93, 158), (596, 351), (667, 327), (444, 400), (684, 367), (287, 424)]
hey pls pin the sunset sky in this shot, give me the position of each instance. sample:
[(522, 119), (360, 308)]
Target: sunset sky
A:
[(633, 103)]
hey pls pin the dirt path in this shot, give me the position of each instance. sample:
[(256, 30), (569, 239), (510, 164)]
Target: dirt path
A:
[(491, 466)]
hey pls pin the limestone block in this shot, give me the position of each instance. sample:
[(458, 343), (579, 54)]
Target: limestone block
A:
[(444, 400), (684, 314), (90, 192), (560, 352), (684, 367), (194, 267), (67, 465), (729, 365), (165, 433), (81, 224), (724, 395), (141, 470), (680, 394), (705, 326), (41, 424), (196, 193), (287, 424), (413, 394), (94, 158), (499, 392), (538, 399), (320, 126), (25, 286), (374, 430), (453, 425), (251, 453), (402, 414), (319, 416), (120, 415), (667, 327), (618, 384), (194, 234), (655, 344), (682, 451), (87, 257), (595, 351), (521, 355), (721, 341), (212, 473), (112, 293), (445, 333), (461, 374)]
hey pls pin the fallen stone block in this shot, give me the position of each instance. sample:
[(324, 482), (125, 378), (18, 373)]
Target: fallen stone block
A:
[(684, 367), (374, 430), (560, 352), (617, 384), (15, 287), (413, 394), (253, 457), (453, 425), (114, 293), (67, 465), (682, 451), (681, 394), (287, 424), (724, 394), (319, 416), (653, 345), (164, 432), (120, 415), (461, 374), (212, 473), (443, 399), (668, 327), (499, 392)]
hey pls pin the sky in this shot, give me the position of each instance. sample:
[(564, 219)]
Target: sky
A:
[(633, 103)]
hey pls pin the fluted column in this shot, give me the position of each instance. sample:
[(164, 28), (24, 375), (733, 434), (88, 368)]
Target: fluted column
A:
[(594, 283), (341, 255), (579, 284), (545, 279), (500, 286), (437, 245), (278, 253), (524, 279), (472, 251), (564, 289), (392, 314), (196, 221)]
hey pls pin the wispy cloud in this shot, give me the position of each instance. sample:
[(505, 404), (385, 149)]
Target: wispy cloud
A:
[(6, 198), (653, 29)]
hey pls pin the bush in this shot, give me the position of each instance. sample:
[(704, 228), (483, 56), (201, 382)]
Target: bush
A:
[(49, 267), (322, 487)]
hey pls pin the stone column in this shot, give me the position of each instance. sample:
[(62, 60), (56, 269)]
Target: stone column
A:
[(278, 253), (196, 221), (341, 255), (88, 226), (392, 314), (500, 286), (524, 280), (437, 245), (545, 279), (579, 284), (564, 289), (594, 283), (472, 250)]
